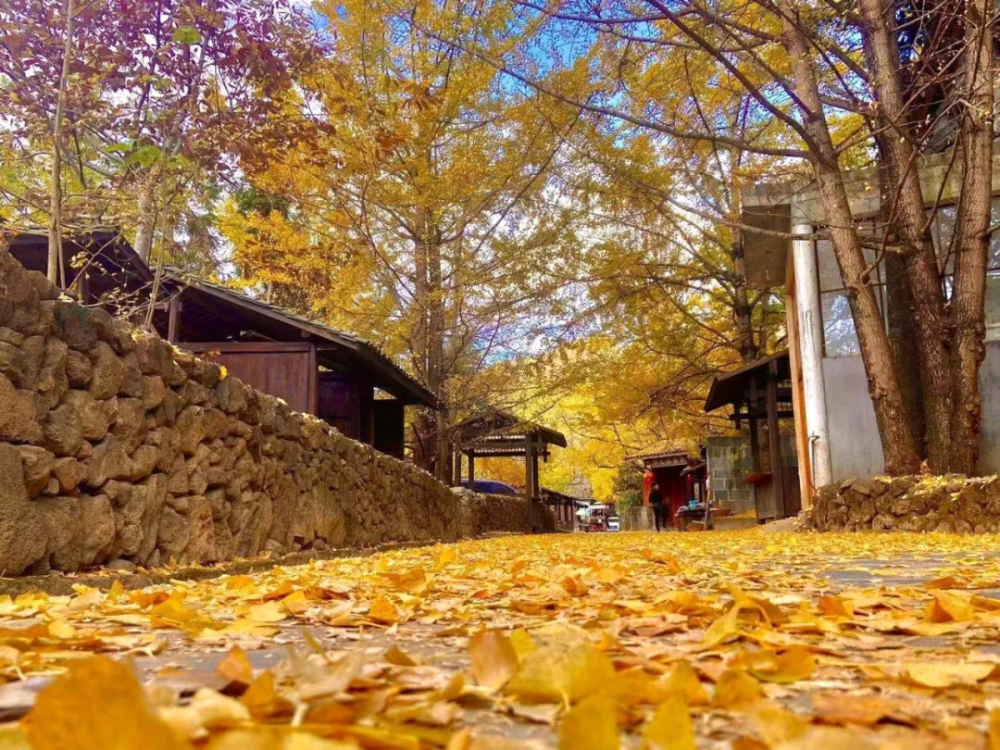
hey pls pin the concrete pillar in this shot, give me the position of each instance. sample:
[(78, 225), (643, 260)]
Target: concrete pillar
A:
[(811, 351)]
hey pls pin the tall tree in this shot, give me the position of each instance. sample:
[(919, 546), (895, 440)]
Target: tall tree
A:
[(425, 216), (123, 111), (825, 79)]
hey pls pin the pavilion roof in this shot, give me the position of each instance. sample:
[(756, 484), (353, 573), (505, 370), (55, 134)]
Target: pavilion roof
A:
[(495, 427)]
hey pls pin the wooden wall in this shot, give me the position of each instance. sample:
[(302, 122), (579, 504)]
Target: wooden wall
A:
[(340, 397), (285, 370)]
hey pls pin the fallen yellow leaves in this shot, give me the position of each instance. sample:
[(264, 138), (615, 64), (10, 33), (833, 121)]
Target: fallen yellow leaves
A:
[(670, 727), (494, 660), (590, 725), (560, 672), (98, 704), (937, 675), (670, 642)]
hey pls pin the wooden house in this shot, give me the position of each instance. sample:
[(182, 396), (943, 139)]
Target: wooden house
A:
[(315, 369), (761, 395)]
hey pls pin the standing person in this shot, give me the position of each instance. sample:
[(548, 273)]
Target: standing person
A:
[(656, 503)]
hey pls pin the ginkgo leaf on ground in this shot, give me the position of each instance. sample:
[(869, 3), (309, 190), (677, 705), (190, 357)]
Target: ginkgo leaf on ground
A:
[(776, 724), (206, 710), (948, 607), (592, 724), (560, 673), (942, 675), (235, 667), (494, 660), (267, 612), (98, 703), (670, 728), (793, 664), (684, 681), (993, 738), (384, 611), (736, 688)]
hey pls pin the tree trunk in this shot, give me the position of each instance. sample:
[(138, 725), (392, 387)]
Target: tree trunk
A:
[(424, 427), (146, 225), (972, 238), (749, 350), (910, 219), (56, 266), (435, 350), (899, 315), (429, 344), (898, 444)]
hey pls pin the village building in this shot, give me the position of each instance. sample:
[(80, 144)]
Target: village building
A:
[(759, 394), (499, 434), (681, 477), (315, 369), (836, 433)]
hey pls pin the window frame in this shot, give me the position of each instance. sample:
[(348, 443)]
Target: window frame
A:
[(881, 297), (992, 271)]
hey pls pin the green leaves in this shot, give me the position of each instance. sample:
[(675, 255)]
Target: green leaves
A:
[(144, 156), (187, 35)]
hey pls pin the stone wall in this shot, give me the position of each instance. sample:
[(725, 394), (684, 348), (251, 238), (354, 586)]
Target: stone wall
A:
[(116, 446), (728, 463), (495, 513), (949, 504)]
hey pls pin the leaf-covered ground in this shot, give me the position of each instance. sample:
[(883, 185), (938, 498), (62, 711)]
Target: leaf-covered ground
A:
[(745, 640)]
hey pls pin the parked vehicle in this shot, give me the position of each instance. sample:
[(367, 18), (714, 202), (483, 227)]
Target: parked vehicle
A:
[(614, 523), (597, 518), (490, 487)]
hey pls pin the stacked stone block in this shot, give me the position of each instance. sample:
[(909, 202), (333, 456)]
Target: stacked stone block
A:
[(116, 446)]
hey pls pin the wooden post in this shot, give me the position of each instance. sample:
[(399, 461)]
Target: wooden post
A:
[(83, 287), (536, 490), (529, 481), (752, 423), (173, 318), (774, 440), (530, 462), (472, 468), (458, 464), (313, 394)]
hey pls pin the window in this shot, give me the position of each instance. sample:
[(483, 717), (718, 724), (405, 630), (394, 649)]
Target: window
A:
[(839, 336), (944, 232)]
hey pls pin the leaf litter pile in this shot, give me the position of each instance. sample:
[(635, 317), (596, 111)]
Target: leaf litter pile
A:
[(738, 640)]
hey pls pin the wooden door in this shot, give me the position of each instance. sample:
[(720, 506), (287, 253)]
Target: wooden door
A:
[(676, 497), (389, 426), (340, 403)]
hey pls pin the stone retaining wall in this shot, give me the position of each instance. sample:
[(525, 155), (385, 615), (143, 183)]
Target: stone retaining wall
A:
[(950, 504), (116, 446)]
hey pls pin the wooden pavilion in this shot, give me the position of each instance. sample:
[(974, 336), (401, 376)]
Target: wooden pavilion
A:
[(563, 507), (498, 434), (761, 396), (99, 265)]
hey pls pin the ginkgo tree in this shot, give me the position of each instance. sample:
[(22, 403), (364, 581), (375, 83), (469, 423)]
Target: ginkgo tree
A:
[(426, 213), (893, 79)]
